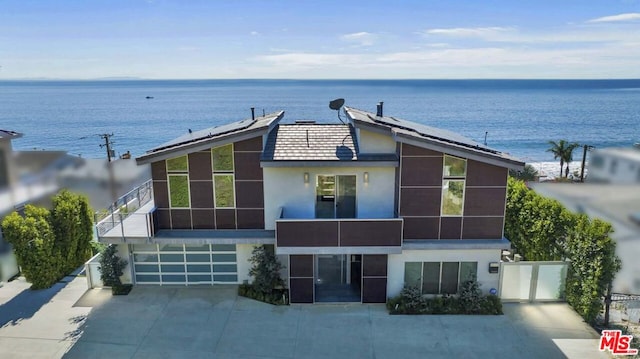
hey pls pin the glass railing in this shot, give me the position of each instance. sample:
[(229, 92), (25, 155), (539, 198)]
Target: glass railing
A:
[(123, 208)]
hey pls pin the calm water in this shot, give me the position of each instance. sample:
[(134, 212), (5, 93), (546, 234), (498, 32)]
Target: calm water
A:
[(520, 116)]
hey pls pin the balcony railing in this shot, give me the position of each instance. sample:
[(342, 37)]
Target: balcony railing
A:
[(339, 232), (129, 216)]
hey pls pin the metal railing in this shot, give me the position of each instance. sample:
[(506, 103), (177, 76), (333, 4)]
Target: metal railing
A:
[(124, 207)]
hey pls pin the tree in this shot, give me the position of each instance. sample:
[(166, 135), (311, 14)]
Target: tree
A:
[(528, 173), (111, 267), (50, 244), (265, 270), (568, 156), (562, 150), (34, 243)]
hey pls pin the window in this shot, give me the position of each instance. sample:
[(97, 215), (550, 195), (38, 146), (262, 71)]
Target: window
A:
[(438, 277), (223, 180), (178, 180), (454, 172)]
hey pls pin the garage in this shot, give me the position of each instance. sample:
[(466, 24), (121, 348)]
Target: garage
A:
[(184, 264)]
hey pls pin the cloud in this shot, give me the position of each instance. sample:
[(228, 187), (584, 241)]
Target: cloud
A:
[(360, 38), (469, 31), (617, 18), (254, 33)]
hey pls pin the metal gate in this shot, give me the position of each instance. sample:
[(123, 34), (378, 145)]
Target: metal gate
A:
[(533, 281)]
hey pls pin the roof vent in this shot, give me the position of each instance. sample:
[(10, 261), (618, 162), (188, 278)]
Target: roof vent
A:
[(379, 112), (253, 114)]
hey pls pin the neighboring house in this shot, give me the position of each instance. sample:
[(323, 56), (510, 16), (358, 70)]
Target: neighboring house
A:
[(354, 211), (615, 165)]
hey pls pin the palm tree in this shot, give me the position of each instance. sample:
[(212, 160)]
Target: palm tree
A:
[(568, 156), (562, 150)]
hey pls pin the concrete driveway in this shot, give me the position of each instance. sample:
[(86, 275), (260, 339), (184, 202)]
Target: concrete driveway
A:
[(179, 322)]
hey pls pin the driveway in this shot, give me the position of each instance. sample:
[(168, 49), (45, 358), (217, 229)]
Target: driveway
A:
[(179, 322)]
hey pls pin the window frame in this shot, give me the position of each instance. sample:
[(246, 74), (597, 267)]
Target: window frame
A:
[(233, 189), (440, 271), (178, 173), (213, 164), (452, 178)]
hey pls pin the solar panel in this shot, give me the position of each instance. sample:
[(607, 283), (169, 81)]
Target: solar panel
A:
[(432, 132), (207, 133)]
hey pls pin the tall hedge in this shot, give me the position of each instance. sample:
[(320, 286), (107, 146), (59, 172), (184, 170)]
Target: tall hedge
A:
[(541, 229), (50, 244)]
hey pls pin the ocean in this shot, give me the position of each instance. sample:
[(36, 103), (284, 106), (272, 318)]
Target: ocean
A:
[(518, 116)]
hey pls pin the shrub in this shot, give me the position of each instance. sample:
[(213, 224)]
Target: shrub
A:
[(267, 285), (111, 267), (471, 296)]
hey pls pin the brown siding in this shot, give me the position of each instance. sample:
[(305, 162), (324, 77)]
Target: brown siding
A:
[(421, 171), (181, 218), (163, 218), (161, 194), (482, 228), (249, 194), (482, 174), (203, 219), (250, 218), (307, 234), (421, 228), (374, 290), (369, 233), (301, 290), (201, 194), (450, 227), (409, 150), (374, 265), (484, 201), (247, 165), (159, 171), (200, 166), (253, 144), (301, 265), (225, 219), (420, 201)]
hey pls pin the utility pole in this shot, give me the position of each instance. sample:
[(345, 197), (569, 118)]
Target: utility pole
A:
[(108, 143), (584, 157)]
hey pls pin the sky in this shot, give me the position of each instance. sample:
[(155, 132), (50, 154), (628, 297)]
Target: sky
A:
[(425, 39)]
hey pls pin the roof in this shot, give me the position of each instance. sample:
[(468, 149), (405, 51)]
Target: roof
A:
[(6, 134), (214, 136), (431, 137), (628, 153), (311, 142)]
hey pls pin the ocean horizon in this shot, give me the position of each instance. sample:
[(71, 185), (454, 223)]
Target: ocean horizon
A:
[(518, 116)]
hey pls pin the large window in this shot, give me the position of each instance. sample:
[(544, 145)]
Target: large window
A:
[(223, 181), (438, 277), (178, 178), (454, 173)]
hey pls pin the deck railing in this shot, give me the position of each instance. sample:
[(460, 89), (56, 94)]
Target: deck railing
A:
[(124, 207)]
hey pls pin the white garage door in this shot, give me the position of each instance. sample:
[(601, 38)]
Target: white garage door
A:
[(184, 264)]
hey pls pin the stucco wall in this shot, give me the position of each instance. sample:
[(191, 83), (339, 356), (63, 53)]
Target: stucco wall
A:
[(285, 187), (124, 253), (395, 271), (371, 142)]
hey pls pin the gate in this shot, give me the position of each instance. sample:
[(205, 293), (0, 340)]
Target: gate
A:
[(533, 281)]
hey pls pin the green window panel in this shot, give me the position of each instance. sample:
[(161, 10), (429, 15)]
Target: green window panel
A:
[(179, 191), (224, 191), (222, 158), (452, 197), (178, 164)]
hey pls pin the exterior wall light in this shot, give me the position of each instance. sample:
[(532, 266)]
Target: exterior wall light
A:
[(306, 178), (366, 177)]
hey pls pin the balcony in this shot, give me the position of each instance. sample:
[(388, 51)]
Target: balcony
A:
[(339, 236), (130, 219)]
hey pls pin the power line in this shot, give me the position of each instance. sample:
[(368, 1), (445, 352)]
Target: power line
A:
[(108, 143)]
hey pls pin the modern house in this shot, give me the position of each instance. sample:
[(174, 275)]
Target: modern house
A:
[(615, 165), (354, 210)]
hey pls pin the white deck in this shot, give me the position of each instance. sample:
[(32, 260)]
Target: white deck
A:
[(136, 225)]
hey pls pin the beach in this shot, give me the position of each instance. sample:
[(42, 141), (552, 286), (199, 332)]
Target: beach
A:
[(551, 170)]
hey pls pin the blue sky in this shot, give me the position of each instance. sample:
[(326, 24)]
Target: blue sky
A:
[(160, 39)]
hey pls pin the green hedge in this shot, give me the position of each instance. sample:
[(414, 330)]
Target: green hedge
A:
[(541, 229)]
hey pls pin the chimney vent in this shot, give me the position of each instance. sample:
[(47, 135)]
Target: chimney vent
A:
[(253, 114), (379, 109)]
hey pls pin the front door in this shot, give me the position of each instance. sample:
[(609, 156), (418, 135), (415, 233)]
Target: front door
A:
[(336, 197), (334, 279)]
